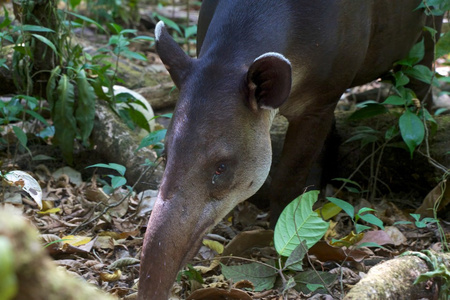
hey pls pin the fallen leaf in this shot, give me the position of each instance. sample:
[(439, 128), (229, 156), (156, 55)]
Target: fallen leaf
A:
[(247, 240), (325, 252), (440, 193), (379, 237), (214, 245), (111, 277)]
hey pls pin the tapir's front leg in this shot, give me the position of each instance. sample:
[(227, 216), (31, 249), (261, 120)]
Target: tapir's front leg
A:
[(303, 144)]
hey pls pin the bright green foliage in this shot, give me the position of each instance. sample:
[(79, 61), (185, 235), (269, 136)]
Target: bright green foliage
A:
[(64, 119), (412, 130), (262, 276), (363, 214), (8, 279), (299, 222), (85, 111), (116, 181)]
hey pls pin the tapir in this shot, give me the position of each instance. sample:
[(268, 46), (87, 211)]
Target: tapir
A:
[(257, 58)]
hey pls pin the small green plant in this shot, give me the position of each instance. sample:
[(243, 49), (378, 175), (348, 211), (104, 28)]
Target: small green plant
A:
[(116, 181), (364, 214), (297, 230), (418, 222)]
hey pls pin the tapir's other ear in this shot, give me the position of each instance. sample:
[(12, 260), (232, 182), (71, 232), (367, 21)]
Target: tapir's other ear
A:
[(176, 61), (269, 81)]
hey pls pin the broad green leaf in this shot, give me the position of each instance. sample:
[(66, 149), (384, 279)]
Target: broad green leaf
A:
[(394, 100), (443, 45), (63, 118), (118, 181), (412, 130), (153, 138), (262, 276), (85, 112), (133, 55), (45, 41), (370, 110), (420, 72), (8, 281), (299, 222), (347, 207)]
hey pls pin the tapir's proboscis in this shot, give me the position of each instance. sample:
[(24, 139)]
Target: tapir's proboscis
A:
[(257, 58)]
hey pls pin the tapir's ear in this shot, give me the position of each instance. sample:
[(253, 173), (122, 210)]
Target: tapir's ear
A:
[(176, 61), (269, 80)]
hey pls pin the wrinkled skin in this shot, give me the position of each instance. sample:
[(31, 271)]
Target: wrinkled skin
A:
[(257, 57)]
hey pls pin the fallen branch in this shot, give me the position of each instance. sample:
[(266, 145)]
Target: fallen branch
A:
[(394, 279)]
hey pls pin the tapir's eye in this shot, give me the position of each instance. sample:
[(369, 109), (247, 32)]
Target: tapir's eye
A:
[(220, 169)]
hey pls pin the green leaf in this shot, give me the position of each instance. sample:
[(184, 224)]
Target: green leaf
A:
[(22, 137), (134, 55), (347, 207), (170, 23), (119, 168), (369, 111), (51, 86), (153, 138), (45, 41), (36, 28), (86, 19), (262, 276), (85, 112), (36, 116), (412, 130), (360, 228), (372, 219), (63, 118), (394, 100), (118, 181), (420, 72), (190, 31), (8, 280), (443, 45), (400, 79), (299, 222)]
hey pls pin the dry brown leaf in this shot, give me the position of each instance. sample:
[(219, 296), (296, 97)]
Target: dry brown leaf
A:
[(325, 252), (440, 193), (247, 240)]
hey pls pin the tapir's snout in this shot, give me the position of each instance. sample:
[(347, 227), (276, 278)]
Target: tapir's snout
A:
[(173, 236)]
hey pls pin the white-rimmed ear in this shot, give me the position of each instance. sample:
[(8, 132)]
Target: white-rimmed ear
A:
[(175, 60), (269, 80)]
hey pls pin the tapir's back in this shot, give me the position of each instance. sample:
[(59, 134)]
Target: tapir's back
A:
[(356, 40)]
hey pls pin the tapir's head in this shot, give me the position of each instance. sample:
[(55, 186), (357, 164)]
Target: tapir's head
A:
[(218, 152)]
